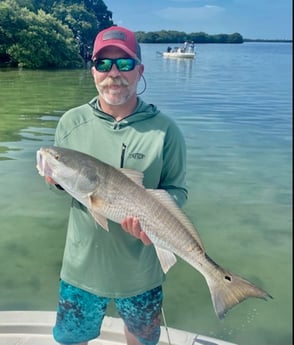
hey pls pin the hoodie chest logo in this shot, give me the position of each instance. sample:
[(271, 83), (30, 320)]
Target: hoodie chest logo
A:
[(136, 155)]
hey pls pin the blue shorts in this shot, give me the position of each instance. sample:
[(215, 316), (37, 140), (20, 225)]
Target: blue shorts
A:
[(80, 315)]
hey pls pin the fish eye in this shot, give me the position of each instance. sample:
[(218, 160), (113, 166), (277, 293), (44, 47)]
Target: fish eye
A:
[(56, 156)]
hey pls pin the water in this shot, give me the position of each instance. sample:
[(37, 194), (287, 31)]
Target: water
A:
[(233, 104)]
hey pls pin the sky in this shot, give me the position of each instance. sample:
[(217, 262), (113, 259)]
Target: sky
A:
[(255, 19)]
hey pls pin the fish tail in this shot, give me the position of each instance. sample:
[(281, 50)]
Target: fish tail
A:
[(228, 289)]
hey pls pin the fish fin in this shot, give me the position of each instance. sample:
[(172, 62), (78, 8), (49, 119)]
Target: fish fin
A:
[(134, 175), (94, 203), (101, 220), (229, 289), (168, 201), (166, 258)]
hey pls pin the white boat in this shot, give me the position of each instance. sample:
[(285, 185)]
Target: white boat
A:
[(187, 51), (179, 55), (35, 328)]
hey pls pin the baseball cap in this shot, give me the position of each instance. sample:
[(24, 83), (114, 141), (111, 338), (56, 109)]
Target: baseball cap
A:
[(120, 37)]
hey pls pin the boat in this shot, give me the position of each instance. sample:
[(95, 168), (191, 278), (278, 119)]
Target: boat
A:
[(179, 55), (35, 328), (186, 51)]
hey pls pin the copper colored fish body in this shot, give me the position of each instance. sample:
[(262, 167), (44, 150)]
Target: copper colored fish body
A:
[(114, 194)]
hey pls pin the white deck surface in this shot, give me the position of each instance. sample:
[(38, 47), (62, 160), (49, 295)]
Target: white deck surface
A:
[(35, 328), (176, 55)]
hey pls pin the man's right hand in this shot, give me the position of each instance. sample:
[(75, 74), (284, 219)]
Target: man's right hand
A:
[(133, 227)]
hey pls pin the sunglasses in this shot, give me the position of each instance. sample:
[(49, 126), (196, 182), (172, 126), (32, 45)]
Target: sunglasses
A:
[(122, 64)]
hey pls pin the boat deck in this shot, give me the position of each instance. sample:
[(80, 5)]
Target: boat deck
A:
[(35, 328), (179, 55)]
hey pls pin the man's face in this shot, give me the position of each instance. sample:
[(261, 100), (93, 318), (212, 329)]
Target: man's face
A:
[(116, 87)]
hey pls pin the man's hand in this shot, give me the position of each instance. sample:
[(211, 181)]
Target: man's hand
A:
[(133, 227)]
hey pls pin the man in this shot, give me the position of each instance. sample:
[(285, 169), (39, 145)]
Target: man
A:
[(119, 128)]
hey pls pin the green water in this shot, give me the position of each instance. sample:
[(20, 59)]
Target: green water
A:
[(239, 178)]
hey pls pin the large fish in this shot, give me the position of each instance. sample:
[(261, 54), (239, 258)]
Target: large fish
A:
[(114, 194)]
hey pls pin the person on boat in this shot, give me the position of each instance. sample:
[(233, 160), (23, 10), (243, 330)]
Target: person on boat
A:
[(191, 47), (117, 127)]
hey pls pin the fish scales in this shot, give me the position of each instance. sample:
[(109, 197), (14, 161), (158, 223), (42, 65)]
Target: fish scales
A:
[(127, 196), (114, 194)]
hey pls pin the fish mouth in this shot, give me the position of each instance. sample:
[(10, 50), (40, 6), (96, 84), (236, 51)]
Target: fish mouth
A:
[(42, 164)]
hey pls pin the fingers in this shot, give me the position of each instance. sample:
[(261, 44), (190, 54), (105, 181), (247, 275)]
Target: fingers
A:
[(145, 239), (133, 227)]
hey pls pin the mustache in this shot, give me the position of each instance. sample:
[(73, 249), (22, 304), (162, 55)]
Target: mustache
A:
[(109, 81)]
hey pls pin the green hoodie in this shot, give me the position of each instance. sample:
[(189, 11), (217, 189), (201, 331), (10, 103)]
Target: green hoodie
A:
[(116, 264)]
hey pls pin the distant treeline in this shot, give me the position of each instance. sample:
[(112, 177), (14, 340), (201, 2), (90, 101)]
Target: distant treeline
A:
[(169, 36), (267, 40)]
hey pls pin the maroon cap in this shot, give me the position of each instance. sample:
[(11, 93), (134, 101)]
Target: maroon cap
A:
[(117, 36)]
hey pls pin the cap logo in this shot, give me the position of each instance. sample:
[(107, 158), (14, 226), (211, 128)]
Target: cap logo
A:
[(114, 35)]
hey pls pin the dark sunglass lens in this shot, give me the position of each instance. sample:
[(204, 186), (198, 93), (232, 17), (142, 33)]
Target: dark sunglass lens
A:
[(103, 65), (125, 64)]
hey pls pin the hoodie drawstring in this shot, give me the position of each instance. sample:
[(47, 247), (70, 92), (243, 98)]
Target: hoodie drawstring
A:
[(122, 157)]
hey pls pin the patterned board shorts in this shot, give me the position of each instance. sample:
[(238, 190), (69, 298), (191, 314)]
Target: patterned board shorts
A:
[(80, 315)]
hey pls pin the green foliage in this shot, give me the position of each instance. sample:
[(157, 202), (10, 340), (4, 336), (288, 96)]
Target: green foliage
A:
[(50, 33), (82, 23), (164, 36), (102, 14), (43, 42), (10, 23)]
